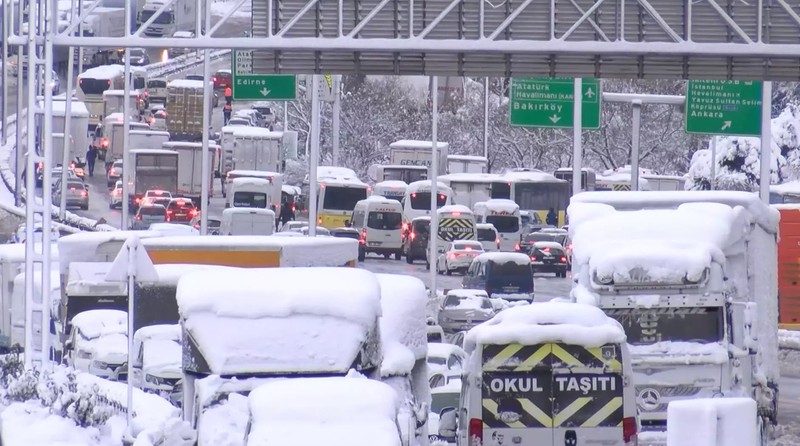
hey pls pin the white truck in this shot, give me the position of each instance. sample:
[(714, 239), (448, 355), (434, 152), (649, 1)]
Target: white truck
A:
[(190, 169), (102, 22), (254, 148), (178, 16), (147, 139), (114, 102), (152, 169), (75, 139), (410, 161), (692, 278), (467, 164), (110, 147)]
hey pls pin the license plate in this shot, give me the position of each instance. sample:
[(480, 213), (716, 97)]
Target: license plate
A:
[(548, 256), (374, 243), (510, 289)]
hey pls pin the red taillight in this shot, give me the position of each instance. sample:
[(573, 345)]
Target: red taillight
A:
[(41, 165), (456, 214), (159, 192), (414, 195), (475, 432), (497, 240), (533, 258), (628, 431), (564, 259), (452, 255), (545, 249), (405, 227), (363, 238), (108, 83), (139, 217), (214, 78), (104, 142), (294, 209), (516, 247), (138, 200), (413, 235), (193, 213), (83, 193), (113, 171), (180, 203)]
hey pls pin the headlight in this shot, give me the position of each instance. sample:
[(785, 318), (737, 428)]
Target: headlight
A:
[(99, 365)]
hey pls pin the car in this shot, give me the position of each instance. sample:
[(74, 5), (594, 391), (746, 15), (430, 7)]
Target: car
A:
[(320, 230), (445, 358), (239, 122), (530, 222), (294, 226), (98, 342), (443, 399), (544, 235), (114, 173), (76, 191), (488, 236), (549, 257), (345, 233), (440, 379), (157, 361), (256, 118), (504, 275), (435, 333), (181, 210), (173, 229), (222, 79), (175, 51), (55, 175), (115, 198), (457, 256), (148, 215), (153, 194), (415, 239), (138, 56), (214, 222), (464, 309)]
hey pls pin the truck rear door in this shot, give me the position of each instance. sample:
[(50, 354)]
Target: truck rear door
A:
[(552, 394)]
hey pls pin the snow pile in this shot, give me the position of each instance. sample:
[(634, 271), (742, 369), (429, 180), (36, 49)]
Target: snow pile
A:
[(279, 319), (712, 421), (225, 423), (538, 323), (402, 324), (30, 424), (97, 323), (454, 209), (789, 339), (330, 411), (221, 8)]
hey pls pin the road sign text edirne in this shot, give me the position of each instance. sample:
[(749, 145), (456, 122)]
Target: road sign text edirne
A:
[(253, 87), (548, 102), (724, 107)]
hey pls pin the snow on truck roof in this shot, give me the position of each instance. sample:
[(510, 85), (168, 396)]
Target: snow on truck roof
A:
[(256, 132), (83, 246), (403, 328), (539, 323), (150, 133), (467, 158), (788, 188), (464, 177), (532, 177), (254, 173), (499, 205), (254, 320), (186, 83), (414, 144), (103, 72), (89, 279), (392, 184), (425, 185), (335, 411), (153, 152), (77, 108), (253, 181), (133, 93)]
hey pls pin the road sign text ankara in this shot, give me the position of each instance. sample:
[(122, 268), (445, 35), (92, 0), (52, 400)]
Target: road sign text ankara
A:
[(548, 102), (254, 87), (723, 107)]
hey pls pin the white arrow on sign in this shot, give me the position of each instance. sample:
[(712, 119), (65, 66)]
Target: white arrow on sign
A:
[(726, 124), (264, 91), (589, 93), (555, 118)]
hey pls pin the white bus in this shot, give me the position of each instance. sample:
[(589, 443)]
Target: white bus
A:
[(417, 202), (91, 85), (471, 188), (619, 181), (393, 190), (536, 191), (504, 216)]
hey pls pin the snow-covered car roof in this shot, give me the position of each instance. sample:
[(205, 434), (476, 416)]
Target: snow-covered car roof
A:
[(459, 244), (173, 229), (443, 350), (266, 312), (467, 293), (538, 323), (504, 257), (550, 245), (96, 323), (468, 301), (391, 184), (162, 355), (455, 209), (403, 303), (160, 331), (109, 346), (331, 411)]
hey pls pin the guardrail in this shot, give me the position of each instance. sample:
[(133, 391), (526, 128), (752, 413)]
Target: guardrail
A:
[(73, 222)]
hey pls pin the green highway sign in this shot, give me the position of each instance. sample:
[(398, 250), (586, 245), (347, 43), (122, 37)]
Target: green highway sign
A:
[(548, 102), (724, 107), (247, 86)]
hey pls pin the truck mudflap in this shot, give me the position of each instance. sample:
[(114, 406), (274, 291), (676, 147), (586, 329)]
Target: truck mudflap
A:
[(552, 394)]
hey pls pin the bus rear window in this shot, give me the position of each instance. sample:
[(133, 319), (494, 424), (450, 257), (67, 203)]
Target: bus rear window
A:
[(422, 200), (486, 235), (249, 200), (343, 198), (504, 223), (94, 86)]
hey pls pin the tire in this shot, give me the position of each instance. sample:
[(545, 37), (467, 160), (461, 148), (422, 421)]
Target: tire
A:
[(85, 207), (449, 272), (409, 259), (386, 256), (398, 255), (111, 205)]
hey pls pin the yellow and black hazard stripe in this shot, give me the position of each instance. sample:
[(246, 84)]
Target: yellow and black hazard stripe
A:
[(587, 400), (516, 413), (451, 229), (622, 187), (520, 358)]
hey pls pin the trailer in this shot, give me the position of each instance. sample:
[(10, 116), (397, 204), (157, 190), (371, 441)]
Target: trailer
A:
[(152, 169), (190, 169)]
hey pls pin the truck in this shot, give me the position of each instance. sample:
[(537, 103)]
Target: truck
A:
[(789, 264), (147, 139), (692, 278), (190, 169), (110, 143), (251, 148), (467, 164), (410, 161), (185, 110), (75, 140), (114, 102), (180, 15), (152, 169), (102, 22)]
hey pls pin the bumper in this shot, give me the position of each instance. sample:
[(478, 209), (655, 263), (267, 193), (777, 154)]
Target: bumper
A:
[(539, 267), (77, 202), (652, 438), (453, 264), (386, 248)]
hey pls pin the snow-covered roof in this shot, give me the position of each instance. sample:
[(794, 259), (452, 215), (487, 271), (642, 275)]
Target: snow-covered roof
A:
[(485, 226), (421, 218), (466, 177), (170, 332), (425, 185), (787, 188), (186, 83), (153, 152), (96, 323), (403, 304), (504, 257), (15, 252), (291, 190), (331, 411), (468, 293), (391, 184), (342, 181), (498, 205), (77, 108), (251, 181), (443, 350), (132, 93), (259, 211), (455, 208), (335, 171), (267, 313), (89, 279), (538, 323), (569, 169), (241, 173), (380, 199), (109, 347), (172, 144), (174, 229), (467, 158), (103, 72), (531, 177), (256, 132), (546, 244), (150, 133), (414, 144)]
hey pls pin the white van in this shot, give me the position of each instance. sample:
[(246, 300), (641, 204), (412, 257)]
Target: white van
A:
[(417, 201), (275, 183), (488, 236), (247, 192), (379, 220), (456, 222), (393, 189), (504, 216), (550, 373), (247, 221)]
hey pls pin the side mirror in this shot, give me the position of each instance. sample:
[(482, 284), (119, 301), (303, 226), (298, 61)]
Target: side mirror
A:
[(448, 422)]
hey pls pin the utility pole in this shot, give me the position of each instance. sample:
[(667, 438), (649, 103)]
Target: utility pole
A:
[(337, 110), (577, 137)]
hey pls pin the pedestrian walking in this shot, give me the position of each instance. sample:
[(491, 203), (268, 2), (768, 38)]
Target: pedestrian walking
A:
[(226, 112), (91, 157), (552, 218), (287, 213)]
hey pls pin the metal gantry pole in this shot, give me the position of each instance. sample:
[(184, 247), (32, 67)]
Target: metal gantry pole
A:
[(126, 127), (131, 308), (713, 179), (207, 95), (19, 161), (80, 33), (637, 121), (486, 117), (50, 20), (286, 115), (766, 141), (65, 156), (337, 110), (4, 98), (577, 137), (434, 234), (313, 158)]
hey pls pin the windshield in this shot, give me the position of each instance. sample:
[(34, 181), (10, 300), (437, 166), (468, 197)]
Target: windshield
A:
[(504, 223), (164, 18), (648, 326), (250, 200), (339, 198), (138, 83), (541, 196), (486, 235), (441, 400), (91, 86), (407, 175), (509, 277), (422, 200), (467, 302), (156, 84), (152, 210), (385, 220), (545, 237)]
